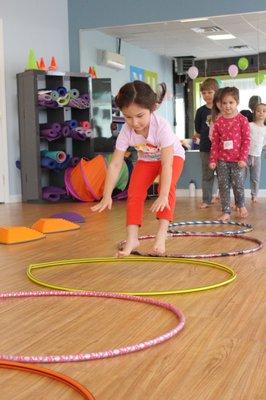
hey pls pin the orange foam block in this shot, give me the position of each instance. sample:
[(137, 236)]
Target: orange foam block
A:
[(18, 234), (53, 225)]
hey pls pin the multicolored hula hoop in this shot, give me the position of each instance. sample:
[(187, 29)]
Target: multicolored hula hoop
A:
[(232, 275), (244, 227), (200, 234), (100, 354), (49, 374)]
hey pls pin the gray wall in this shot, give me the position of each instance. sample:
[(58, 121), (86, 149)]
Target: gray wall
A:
[(103, 13), (91, 41), (37, 24)]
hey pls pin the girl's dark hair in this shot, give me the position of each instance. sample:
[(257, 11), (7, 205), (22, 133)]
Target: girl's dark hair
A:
[(140, 93), (253, 101), (215, 109), (232, 91)]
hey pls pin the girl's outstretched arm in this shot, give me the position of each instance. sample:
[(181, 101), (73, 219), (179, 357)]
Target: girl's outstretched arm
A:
[(111, 179), (161, 202)]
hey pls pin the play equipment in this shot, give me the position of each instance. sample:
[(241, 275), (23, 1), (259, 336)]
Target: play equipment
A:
[(32, 61), (244, 227), (53, 64), (200, 234), (76, 386), (53, 225), (100, 354), (164, 260), (70, 216), (18, 234)]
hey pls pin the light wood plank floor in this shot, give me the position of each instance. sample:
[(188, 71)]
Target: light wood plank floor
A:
[(219, 354)]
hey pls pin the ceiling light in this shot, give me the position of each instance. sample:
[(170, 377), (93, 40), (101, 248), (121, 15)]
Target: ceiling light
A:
[(194, 19), (221, 37)]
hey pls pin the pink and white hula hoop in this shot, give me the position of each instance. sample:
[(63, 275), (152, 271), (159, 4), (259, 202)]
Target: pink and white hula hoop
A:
[(101, 354)]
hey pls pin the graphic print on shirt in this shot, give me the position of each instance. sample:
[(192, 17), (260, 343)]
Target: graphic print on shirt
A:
[(148, 151)]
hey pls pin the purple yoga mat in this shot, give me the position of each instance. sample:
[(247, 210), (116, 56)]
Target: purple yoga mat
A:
[(70, 216), (52, 193)]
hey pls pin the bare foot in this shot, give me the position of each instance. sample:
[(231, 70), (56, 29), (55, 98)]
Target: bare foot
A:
[(159, 246), (204, 205), (243, 212), (254, 199), (225, 217), (215, 199), (130, 245)]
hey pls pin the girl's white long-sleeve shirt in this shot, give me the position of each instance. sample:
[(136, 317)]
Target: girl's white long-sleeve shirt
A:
[(257, 139)]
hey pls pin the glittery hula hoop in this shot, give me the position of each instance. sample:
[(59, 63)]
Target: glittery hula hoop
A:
[(49, 374), (244, 227), (100, 354), (200, 234), (134, 259)]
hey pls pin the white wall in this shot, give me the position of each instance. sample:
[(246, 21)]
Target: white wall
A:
[(37, 24), (91, 41)]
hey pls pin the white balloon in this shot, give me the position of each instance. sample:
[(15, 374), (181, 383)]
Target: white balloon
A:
[(193, 72)]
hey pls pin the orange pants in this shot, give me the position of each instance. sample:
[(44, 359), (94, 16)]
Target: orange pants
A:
[(142, 177)]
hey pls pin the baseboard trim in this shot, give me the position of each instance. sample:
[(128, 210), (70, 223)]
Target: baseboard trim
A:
[(15, 198)]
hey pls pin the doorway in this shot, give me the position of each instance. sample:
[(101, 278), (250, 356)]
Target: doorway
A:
[(4, 183)]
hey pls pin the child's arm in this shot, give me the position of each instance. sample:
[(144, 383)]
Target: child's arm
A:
[(245, 143), (214, 147), (165, 181), (111, 179)]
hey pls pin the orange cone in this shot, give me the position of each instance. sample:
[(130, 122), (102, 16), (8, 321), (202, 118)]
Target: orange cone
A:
[(53, 64), (41, 64)]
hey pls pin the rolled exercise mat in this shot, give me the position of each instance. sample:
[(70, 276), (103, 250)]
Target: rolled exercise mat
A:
[(74, 93), (72, 123), (58, 156), (49, 133), (48, 163), (85, 124), (78, 134), (52, 193), (65, 164), (62, 91), (55, 95), (65, 131), (55, 126), (86, 97), (64, 100), (94, 174), (74, 161)]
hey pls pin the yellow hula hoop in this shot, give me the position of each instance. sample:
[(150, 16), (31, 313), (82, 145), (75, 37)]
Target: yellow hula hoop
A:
[(215, 265)]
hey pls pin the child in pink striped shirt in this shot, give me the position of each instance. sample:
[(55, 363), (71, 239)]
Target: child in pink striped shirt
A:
[(229, 152)]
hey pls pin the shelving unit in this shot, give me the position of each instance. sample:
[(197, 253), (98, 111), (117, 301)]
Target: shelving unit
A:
[(31, 115)]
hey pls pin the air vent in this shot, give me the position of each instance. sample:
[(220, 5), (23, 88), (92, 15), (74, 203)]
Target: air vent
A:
[(240, 47), (182, 64), (207, 29)]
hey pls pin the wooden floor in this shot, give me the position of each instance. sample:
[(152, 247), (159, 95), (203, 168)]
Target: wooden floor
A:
[(218, 355)]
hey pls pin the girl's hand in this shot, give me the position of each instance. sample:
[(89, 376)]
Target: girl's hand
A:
[(104, 203), (160, 204), (242, 164), (212, 165)]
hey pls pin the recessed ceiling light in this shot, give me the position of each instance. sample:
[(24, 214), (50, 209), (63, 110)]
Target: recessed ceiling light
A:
[(194, 19), (221, 37)]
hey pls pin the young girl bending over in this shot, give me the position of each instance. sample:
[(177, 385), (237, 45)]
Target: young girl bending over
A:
[(257, 141), (229, 152), (159, 153)]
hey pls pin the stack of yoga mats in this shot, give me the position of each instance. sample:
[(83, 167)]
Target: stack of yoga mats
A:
[(62, 97)]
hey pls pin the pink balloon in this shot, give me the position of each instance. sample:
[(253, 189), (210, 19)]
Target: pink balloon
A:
[(233, 70), (193, 72)]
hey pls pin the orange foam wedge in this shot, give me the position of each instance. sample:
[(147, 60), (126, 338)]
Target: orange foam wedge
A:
[(53, 225), (18, 234)]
